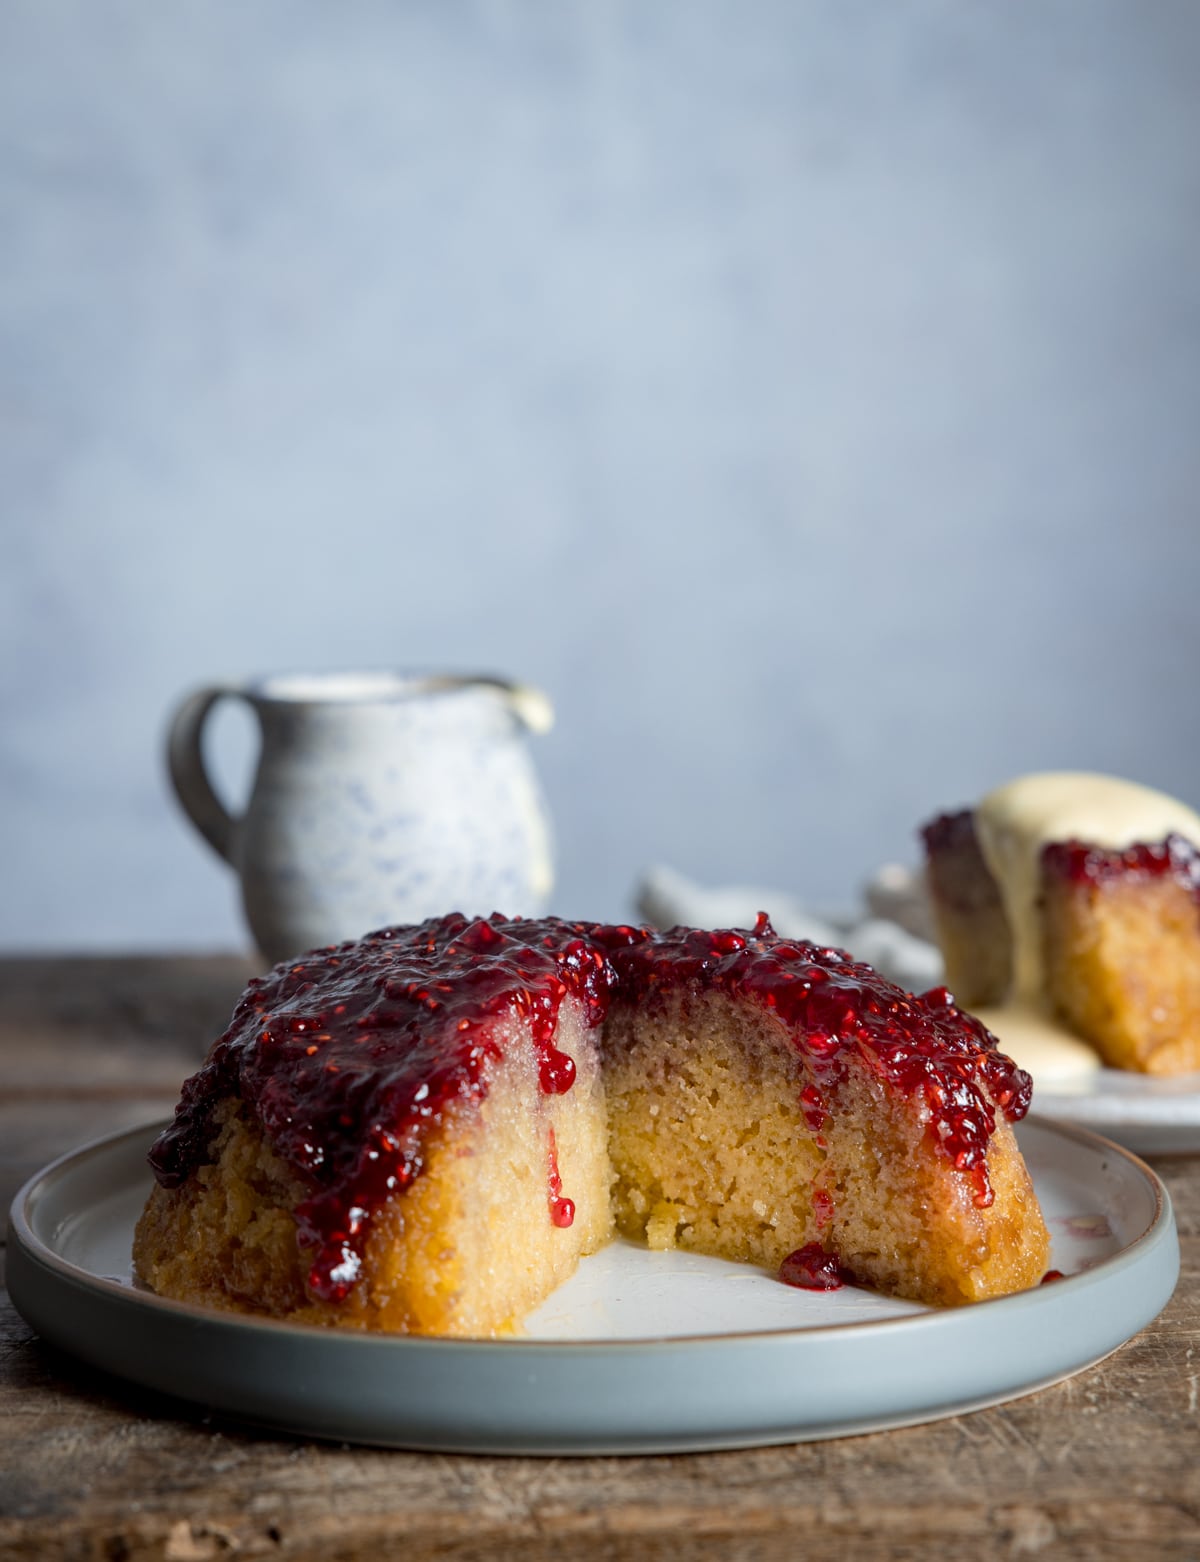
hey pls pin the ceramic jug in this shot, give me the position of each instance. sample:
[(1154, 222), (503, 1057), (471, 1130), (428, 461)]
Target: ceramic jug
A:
[(378, 798)]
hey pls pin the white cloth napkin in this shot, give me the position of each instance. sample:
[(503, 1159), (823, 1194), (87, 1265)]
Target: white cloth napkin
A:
[(885, 935)]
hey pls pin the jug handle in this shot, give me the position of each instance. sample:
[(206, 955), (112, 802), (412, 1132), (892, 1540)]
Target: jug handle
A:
[(189, 775)]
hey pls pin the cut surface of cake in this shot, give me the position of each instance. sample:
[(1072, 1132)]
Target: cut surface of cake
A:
[(1075, 898), (425, 1130)]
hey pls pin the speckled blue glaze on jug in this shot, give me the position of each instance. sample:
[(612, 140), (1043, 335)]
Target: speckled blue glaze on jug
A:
[(379, 798)]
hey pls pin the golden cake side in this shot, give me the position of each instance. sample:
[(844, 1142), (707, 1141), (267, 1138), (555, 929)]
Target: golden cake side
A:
[(1121, 952), (468, 1249), (716, 1150)]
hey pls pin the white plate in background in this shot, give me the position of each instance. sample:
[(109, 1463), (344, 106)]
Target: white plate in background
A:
[(1151, 1114)]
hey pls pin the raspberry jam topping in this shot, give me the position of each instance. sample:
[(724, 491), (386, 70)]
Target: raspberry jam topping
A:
[(562, 1211), (824, 1207), (1080, 863), (949, 831), (813, 1105), (349, 1057), (813, 1269)]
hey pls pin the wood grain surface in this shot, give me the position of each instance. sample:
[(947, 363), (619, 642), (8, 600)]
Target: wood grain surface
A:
[(1105, 1465)]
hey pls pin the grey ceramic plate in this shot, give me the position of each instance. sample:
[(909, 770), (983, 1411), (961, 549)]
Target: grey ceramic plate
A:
[(640, 1352)]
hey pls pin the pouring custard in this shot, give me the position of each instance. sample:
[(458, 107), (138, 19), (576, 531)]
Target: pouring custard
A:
[(1067, 907)]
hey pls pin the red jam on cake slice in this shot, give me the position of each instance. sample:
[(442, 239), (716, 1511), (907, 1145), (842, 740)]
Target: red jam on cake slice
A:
[(425, 1130)]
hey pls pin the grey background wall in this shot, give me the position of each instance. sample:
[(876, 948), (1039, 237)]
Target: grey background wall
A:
[(806, 396)]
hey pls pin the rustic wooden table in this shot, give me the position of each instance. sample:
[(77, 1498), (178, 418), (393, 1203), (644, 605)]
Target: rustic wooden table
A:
[(1105, 1465)]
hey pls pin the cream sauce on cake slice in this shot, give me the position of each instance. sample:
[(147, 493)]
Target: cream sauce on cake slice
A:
[(1014, 824)]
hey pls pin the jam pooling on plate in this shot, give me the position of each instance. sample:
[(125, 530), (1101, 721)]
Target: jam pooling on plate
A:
[(350, 1056), (813, 1269)]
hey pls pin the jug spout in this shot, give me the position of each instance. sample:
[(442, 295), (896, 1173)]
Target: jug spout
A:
[(530, 705)]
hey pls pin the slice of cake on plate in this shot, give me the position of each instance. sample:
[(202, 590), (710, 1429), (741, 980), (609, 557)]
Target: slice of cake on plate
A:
[(1076, 897)]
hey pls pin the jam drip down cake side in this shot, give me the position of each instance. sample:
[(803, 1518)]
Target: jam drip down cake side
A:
[(425, 1130)]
